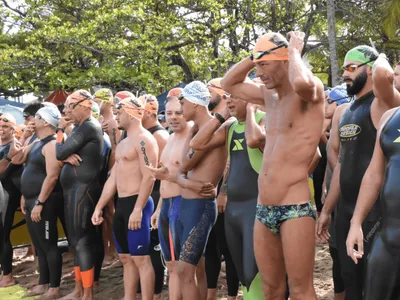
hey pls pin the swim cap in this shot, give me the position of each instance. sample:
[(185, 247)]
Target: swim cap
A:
[(362, 54), (122, 95), (197, 93), (175, 92), (8, 119), (50, 114), (339, 95), (95, 110), (215, 84), (104, 95), (82, 97), (49, 104), (133, 106), (151, 103), (269, 41)]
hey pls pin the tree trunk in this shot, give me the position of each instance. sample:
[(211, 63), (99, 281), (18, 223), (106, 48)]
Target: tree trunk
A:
[(332, 41)]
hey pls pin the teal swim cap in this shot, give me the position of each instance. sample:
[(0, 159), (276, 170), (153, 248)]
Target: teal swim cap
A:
[(362, 54)]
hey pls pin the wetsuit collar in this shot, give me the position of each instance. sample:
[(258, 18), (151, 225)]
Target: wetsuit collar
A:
[(365, 96)]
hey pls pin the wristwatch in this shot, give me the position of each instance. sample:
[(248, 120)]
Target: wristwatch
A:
[(59, 128), (251, 56), (39, 203)]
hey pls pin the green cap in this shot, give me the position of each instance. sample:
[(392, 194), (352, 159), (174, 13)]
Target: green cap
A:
[(362, 54), (95, 110)]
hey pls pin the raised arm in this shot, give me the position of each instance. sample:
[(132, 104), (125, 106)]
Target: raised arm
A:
[(213, 134), (235, 84), (382, 78), (304, 84), (255, 132)]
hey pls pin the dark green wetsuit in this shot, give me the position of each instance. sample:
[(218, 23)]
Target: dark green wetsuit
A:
[(245, 165)]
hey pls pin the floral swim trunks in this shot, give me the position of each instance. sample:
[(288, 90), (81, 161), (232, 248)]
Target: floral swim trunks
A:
[(274, 216)]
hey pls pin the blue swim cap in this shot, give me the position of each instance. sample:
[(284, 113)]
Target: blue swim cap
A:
[(339, 95)]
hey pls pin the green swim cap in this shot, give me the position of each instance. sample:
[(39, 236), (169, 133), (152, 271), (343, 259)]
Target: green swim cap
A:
[(362, 54), (95, 110), (104, 95)]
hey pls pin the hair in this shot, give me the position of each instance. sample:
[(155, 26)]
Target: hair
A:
[(61, 108), (32, 107)]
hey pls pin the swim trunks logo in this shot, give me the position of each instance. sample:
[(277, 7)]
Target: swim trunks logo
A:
[(349, 131), (238, 145), (398, 139)]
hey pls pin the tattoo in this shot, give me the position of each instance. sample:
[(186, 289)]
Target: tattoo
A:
[(146, 160), (224, 187), (191, 153), (114, 133)]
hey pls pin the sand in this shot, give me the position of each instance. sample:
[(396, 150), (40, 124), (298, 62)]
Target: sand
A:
[(111, 285)]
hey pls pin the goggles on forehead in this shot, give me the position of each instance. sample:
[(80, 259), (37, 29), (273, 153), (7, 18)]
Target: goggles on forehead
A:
[(38, 117), (26, 115), (260, 54), (132, 101), (85, 97), (5, 120), (330, 101)]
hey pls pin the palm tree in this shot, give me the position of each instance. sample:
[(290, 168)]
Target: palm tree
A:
[(391, 17)]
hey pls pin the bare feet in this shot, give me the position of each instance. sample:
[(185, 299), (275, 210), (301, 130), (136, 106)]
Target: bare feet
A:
[(37, 290), (31, 284), (73, 296), (7, 281), (51, 294)]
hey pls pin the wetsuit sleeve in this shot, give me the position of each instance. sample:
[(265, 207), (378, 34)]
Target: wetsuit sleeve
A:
[(77, 139)]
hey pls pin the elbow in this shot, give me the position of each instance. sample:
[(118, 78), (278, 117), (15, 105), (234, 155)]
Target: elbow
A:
[(226, 85), (61, 156), (253, 143), (382, 75), (195, 146)]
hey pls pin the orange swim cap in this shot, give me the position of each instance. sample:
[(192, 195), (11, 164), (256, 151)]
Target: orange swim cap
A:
[(82, 97), (271, 41), (215, 85), (151, 104), (132, 106), (175, 92)]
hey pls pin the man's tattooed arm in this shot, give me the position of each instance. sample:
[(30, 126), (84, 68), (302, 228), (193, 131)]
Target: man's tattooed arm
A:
[(224, 187), (191, 153), (114, 135), (143, 148)]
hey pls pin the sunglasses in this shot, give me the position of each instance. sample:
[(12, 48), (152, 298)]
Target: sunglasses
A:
[(180, 97), (330, 101), (26, 116), (352, 67), (260, 54)]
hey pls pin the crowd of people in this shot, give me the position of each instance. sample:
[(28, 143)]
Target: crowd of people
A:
[(227, 180)]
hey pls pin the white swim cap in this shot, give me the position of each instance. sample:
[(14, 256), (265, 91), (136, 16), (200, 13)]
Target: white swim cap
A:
[(50, 114), (197, 93)]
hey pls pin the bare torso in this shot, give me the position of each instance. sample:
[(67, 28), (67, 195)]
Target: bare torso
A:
[(128, 174), (209, 169), (293, 130), (170, 158)]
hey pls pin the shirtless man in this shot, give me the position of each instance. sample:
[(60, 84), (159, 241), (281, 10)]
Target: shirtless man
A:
[(285, 219), (396, 77), (168, 209), (134, 182), (198, 211)]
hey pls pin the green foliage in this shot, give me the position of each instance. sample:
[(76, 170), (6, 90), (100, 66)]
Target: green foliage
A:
[(154, 45)]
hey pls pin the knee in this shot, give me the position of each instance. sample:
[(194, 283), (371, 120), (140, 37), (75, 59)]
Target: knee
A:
[(185, 273), (125, 259), (143, 263)]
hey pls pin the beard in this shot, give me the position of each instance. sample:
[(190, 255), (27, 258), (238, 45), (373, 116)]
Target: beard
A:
[(214, 103), (357, 84)]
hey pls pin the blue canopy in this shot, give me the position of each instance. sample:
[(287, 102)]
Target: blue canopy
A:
[(12, 103), (14, 108)]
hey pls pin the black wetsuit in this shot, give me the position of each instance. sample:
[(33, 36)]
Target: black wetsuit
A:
[(383, 268), (44, 234), (357, 141), (155, 249), (11, 201), (81, 188)]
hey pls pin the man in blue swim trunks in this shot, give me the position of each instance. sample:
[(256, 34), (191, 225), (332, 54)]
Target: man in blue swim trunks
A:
[(198, 211), (285, 219), (133, 181)]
